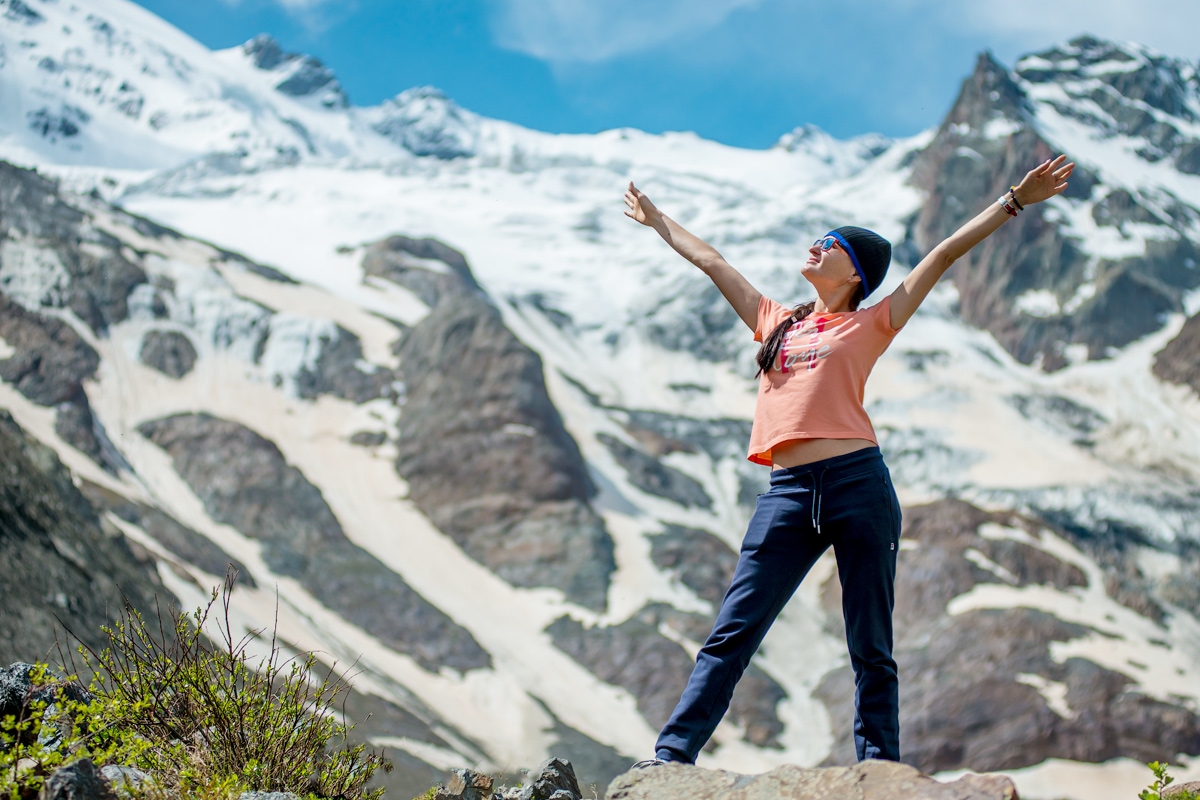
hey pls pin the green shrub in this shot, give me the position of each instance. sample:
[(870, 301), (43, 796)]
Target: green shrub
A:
[(206, 720), (1162, 779)]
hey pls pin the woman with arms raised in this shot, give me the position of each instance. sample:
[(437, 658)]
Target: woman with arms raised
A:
[(829, 484)]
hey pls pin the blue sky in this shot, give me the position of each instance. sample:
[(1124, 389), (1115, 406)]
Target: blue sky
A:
[(739, 71)]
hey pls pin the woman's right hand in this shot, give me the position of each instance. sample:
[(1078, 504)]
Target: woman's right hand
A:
[(640, 208)]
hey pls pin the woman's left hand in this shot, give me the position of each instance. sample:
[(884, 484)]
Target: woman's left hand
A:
[(1044, 181)]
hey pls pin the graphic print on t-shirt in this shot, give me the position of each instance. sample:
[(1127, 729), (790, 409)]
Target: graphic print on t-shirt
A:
[(805, 344)]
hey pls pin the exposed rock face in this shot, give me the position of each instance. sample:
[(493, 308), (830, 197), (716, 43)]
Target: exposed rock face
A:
[(655, 669), (700, 560), (654, 477), (1030, 283), (80, 780), (188, 545), (483, 449), (1179, 361), (244, 481), (302, 76), (977, 687), (870, 780), (169, 352), (338, 370), (426, 123), (51, 256), (60, 562)]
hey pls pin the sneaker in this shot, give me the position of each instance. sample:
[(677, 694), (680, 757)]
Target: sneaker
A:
[(649, 762)]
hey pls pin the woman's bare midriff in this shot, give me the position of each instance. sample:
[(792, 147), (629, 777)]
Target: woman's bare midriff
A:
[(805, 451)]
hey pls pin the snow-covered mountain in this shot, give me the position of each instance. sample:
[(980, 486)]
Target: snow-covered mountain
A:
[(414, 368)]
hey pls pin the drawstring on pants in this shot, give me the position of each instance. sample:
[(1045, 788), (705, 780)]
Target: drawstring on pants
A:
[(816, 501)]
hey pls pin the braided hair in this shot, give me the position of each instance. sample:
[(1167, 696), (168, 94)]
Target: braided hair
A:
[(770, 345)]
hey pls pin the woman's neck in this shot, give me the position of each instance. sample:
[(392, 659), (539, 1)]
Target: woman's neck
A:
[(833, 304)]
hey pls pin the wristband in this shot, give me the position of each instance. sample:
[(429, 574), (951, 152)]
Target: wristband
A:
[(1008, 207), (1012, 192)]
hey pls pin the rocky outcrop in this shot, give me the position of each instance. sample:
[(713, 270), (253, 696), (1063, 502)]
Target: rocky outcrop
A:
[(340, 370), (1030, 284), (553, 780), (870, 780), (655, 670), (425, 122), (1179, 361), (52, 257), (697, 559), (654, 477), (483, 449), (169, 352), (190, 547), (244, 481), (301, 75), (61, 561), (79, 780), (981, 687)]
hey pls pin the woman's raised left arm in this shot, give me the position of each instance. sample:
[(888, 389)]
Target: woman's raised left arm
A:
[(1039, 184)]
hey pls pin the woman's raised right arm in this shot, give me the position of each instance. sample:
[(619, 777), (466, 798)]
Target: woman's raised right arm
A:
[(736, 289)]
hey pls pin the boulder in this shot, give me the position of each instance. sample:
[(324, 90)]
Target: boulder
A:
[(870, 780), (1180, 790), (80, 780), (465, 785), (126, 782), (555, 780)]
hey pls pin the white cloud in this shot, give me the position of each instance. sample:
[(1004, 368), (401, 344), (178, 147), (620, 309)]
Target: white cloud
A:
[(1019, 26), (589, 31)]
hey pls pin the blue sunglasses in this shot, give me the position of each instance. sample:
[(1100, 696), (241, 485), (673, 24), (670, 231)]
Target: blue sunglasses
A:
[(825, 243)]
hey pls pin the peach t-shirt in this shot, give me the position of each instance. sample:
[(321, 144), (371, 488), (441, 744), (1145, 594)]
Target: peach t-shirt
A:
[(814, 390)]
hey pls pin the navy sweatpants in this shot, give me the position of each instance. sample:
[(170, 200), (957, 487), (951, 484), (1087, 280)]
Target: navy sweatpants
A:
[(847, 502)]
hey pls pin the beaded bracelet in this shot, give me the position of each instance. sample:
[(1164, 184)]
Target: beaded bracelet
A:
[(1012, 192)]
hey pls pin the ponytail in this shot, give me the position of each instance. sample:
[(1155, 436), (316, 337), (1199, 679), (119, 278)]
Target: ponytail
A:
[(770, 346)]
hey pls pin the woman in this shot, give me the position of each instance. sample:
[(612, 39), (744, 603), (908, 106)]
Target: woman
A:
[(829, 485)]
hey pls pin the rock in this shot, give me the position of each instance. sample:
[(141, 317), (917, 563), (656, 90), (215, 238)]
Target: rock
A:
[(77, 781), (1179, 361), (52, 256), (870, 780), (520, 504), (655, 670), (59, 563), (465, 785), (1177, 791), (125, 781), (654, 477), (341, 371), (51, 360), (189, 545), (977, 688), (555, 780), (368, 438), (244, 481), (987, 141), (306, 75), (425, 122), (169, 352), (697, 558)]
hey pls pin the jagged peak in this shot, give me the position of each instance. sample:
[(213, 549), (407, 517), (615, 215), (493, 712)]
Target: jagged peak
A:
[(305, 75), (990, 93)]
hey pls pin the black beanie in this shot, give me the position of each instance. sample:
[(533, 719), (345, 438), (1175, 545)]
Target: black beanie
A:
[(870, 253)]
